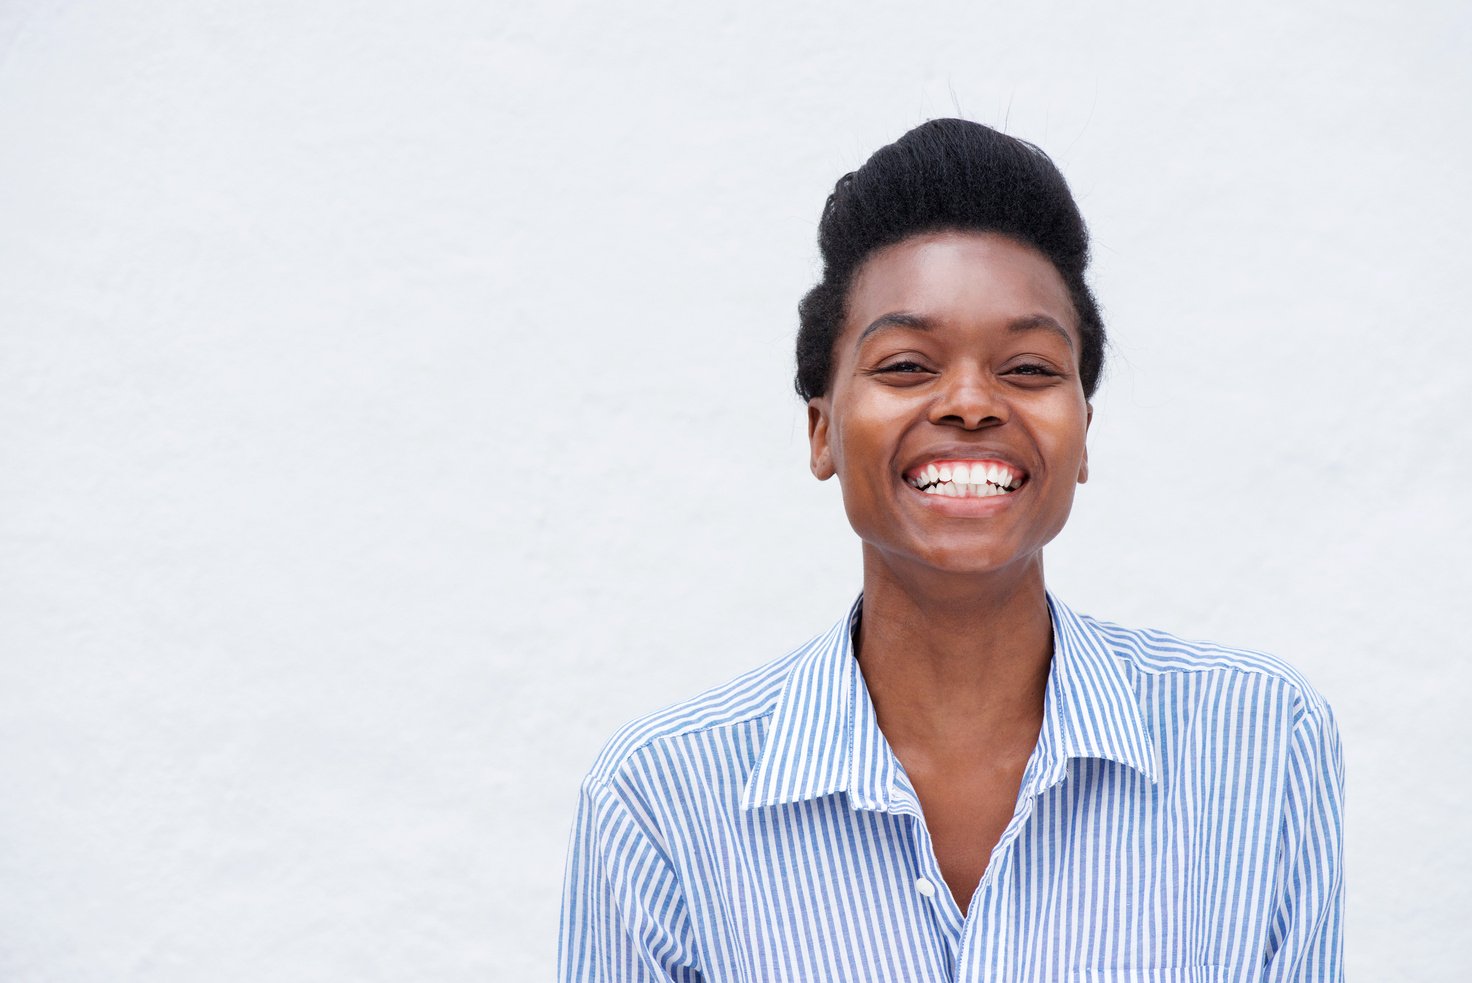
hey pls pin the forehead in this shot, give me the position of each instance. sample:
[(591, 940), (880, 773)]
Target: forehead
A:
[(960, 279)]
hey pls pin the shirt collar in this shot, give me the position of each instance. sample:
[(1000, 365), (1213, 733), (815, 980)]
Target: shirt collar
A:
[(824, 737), (1091, 709)]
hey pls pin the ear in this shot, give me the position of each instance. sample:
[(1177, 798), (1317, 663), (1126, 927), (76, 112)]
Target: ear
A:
[(1083, 468), (820, 454)]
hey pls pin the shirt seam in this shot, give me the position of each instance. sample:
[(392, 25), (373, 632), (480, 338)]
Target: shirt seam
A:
[(614, 768), (1305, 694)]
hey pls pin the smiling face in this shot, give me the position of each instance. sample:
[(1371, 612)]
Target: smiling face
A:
[(954, 418)]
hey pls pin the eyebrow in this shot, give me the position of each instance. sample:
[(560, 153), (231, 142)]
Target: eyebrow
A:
[(918, 322)]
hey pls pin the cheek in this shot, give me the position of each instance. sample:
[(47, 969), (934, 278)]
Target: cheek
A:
[(1068, 442), (861, 460), (850, 441), (868, 426)]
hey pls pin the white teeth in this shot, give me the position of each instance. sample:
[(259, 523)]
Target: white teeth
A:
[(959, 479)]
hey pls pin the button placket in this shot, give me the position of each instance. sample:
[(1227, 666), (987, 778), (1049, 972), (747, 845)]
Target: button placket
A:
[(928, 883), (981, 939)]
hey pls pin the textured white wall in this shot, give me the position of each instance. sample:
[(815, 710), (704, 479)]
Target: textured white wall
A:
[(394, 399)]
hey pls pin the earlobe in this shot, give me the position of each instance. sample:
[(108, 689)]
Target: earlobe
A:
[(1083, 466), (820, 457)]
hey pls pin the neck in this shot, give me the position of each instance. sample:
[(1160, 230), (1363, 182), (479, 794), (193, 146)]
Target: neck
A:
[(952, 663)]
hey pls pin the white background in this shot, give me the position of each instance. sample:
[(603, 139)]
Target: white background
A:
[(395, 398)]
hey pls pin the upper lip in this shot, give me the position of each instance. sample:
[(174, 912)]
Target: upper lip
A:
[(964, 452)]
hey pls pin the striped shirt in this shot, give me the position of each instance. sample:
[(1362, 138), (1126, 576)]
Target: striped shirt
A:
[(1178, 820)]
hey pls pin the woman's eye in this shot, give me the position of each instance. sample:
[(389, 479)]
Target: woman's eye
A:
[(1032, 368), (902, 367)]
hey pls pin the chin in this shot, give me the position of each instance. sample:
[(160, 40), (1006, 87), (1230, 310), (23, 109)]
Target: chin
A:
[(978, 566), (964, 561)]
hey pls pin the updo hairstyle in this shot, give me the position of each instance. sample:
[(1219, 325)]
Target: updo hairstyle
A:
[(947, 174)]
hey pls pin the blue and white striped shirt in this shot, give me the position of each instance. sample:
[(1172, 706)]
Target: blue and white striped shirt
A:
[(1178, 820)]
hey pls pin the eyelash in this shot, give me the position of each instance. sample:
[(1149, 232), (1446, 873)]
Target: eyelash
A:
[(909, 368), (1036, 368)]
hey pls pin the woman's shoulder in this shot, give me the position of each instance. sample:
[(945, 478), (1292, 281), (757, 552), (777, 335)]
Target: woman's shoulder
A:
[(738, 703), (1153, 652)]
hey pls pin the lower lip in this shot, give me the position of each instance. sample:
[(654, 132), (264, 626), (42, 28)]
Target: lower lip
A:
[(958, 506)]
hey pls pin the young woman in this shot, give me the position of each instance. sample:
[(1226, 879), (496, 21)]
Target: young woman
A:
[(963, 779)]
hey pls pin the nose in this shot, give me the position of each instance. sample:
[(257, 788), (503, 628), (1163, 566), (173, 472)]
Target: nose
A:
[(970, 400)]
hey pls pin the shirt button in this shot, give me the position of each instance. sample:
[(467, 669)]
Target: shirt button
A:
[(925, 887)]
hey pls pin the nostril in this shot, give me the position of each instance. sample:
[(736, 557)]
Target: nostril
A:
[(970, 422), (969, 405)]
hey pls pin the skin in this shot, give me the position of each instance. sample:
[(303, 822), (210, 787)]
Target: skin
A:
[(972, 354)]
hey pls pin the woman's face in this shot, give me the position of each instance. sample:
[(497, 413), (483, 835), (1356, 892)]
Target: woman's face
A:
[(955, 419)]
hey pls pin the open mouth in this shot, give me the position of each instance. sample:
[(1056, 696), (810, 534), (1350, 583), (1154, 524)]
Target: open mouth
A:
[(966, 479)]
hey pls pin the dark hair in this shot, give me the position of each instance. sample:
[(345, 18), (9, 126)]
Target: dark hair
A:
[(945, 174)]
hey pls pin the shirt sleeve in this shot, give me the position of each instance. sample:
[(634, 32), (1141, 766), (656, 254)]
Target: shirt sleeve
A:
[(624, 918), (1305, 940)]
